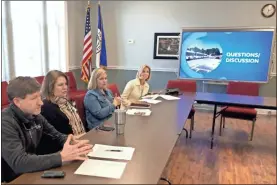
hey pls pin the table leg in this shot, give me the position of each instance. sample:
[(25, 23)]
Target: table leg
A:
[(164, 179), (186, 132), (213, 126)]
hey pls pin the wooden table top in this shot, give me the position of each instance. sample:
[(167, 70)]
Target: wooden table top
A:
[(153, 138)]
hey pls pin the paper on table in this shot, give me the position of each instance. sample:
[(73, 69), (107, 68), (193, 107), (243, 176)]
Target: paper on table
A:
[(111, 152), (101, 168), (151, 97), (151, 101), (168, 97), (141, 112)]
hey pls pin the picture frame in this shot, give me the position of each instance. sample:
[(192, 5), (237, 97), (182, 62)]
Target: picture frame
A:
[(166, 46)]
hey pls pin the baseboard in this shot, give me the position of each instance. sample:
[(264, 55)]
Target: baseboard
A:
[(210, 108), (266, 112)]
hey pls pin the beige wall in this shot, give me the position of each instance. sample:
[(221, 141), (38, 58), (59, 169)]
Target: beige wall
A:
[(123, 19), (76, 19)]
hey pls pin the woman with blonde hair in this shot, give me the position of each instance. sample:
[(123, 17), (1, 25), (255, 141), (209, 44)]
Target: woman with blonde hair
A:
[(136, 88), (99, 102)]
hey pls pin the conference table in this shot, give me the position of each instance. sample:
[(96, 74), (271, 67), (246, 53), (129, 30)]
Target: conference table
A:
[(219, 99), (153, 138)]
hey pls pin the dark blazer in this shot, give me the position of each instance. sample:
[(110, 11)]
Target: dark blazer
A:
[(52, 113), (56, 117)]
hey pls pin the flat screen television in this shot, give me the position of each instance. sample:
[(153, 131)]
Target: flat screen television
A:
[(226, 54)]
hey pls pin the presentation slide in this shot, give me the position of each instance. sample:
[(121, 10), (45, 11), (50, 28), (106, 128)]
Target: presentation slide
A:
[(226, 56)]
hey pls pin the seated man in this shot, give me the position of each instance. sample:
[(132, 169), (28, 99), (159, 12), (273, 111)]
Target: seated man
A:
[(22, 129)]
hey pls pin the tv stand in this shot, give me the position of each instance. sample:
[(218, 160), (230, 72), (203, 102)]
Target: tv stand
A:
[(215, 82), (221, 83)]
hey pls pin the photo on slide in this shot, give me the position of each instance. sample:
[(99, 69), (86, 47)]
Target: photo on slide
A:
[(203, 57)]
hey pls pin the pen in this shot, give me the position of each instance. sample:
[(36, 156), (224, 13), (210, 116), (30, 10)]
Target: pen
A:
[(113, 150)]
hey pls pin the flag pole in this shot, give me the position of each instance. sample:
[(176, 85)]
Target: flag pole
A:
[(100, 66), (90, 66)]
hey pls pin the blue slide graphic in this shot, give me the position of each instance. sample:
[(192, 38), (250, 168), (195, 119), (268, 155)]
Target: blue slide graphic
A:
[(231, 56)]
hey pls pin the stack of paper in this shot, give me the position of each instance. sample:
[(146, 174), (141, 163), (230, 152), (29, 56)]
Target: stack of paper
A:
[(166, 97), (151, 101), (151, 97), (112, 152), (141, 112), (104, 168), (100, 168)]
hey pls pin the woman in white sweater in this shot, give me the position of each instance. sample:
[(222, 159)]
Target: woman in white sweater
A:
[(136, 88)]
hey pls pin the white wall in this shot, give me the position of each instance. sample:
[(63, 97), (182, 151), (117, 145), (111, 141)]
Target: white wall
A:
[(139, 20)]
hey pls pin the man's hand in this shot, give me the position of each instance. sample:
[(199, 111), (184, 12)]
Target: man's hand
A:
[(77, 150), (78, 136)]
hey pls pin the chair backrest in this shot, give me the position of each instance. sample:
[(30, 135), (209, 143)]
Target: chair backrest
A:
[(243, 88), (4, 96), (182, 85), (39, 79), (79, 103), (114, 89), (72, 82)]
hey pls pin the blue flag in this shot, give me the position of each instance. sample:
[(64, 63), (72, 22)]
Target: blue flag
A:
[(101, 56)]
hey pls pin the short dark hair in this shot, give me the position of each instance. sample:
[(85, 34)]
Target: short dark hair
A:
[(22, 86)]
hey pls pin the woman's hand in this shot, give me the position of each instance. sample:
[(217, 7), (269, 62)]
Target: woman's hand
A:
[(116, 101)]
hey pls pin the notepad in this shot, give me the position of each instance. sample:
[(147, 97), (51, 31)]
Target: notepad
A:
[(101, 168), (112, 152), (140, 112)]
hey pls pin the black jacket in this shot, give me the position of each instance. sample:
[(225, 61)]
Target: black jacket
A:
[(56, 117), (21, 136), (52, 113)]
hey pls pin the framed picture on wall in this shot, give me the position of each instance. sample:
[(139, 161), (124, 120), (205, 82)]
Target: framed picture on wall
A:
[(166, 46)]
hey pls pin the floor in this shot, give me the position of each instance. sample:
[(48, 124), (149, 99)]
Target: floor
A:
[(233, 160)]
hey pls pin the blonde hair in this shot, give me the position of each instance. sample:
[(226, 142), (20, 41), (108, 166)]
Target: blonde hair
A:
[(96, 73), (48, 84), (141, 70)]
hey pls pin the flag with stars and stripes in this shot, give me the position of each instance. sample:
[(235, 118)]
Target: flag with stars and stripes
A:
[(101, 56), (87, 50)]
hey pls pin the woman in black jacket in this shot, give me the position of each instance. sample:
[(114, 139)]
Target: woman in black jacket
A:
[(57, 109)]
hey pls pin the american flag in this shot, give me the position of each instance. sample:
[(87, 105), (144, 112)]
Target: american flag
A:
[(87, 50)]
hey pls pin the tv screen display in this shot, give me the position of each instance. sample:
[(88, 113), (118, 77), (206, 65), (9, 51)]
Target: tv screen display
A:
[(226, 54)]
